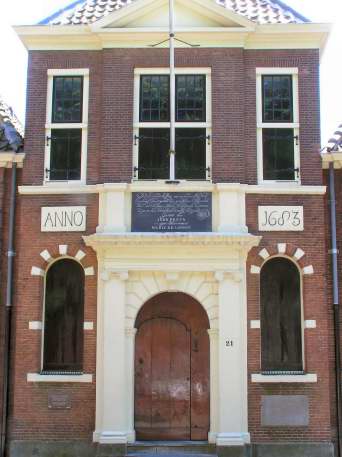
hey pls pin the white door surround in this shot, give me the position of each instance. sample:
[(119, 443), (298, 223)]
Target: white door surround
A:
[(135, 267)]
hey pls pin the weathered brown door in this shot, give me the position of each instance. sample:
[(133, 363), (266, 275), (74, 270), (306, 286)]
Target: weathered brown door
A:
[(172, 370)]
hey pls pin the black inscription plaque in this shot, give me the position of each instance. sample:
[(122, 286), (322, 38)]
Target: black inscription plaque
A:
[(172, 212)]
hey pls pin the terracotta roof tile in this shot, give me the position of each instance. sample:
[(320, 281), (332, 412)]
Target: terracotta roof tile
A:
[(260, 11)]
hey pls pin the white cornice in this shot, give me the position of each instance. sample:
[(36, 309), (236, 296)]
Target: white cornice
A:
[(335, 157), (280, 36), (8, 158), (186, 186)]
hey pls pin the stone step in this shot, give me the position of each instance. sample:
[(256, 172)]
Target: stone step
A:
[(199, 448)]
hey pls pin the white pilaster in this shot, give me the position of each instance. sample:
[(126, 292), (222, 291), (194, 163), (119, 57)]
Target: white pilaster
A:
[(214, 385), (130, 345), (111, 407), (232, 357)]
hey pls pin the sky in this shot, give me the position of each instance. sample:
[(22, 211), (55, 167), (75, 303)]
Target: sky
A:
[(14, 55)]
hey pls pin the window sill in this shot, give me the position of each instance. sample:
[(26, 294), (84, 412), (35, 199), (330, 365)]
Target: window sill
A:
[(278, 379), (37, 377)]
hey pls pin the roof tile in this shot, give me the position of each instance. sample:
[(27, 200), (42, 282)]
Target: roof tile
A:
[(260, 11)]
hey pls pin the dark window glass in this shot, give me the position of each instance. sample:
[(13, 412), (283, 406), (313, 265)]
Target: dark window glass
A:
[(65, 154), (278, 154), (64, 316), (190, 153), (154, 160), (277, 98), (67, 99), (154, 98), (190, 98), (281, 335)]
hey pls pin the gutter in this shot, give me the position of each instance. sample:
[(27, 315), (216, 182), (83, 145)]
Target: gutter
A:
[(8, 311), (337, 330)]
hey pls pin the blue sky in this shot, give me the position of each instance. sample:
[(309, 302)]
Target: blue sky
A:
[(13, 73)]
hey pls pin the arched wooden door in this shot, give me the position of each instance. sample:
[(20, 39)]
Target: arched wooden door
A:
[(172, 369)]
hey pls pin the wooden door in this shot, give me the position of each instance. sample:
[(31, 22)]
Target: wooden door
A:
[(172, 369), (162, 393)]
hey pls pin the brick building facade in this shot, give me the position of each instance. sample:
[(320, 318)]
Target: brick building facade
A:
[(255, 373)]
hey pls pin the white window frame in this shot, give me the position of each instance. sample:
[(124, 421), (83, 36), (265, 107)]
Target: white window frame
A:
[(302, 318), (139, 125), (51, 73), (285, 125)]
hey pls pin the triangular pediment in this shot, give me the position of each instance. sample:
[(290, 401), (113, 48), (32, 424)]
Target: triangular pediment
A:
[(153, 14)]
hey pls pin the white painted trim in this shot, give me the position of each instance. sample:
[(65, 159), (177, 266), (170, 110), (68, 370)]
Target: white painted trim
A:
[(35, 271), (310, 324), (309, 270), (276, 71), (88, 326), (68, 72), (160, 186), (255, 324), (51, 73), (37, 377), (233, 439), (280, 379), (10, 157), (90, 271), (80, 255), (46, 255), (179, 71), (263, 125), (63, 249), (35, 325)]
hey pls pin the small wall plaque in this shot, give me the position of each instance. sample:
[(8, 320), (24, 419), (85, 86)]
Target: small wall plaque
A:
[(59, 399), (63, 219), (281, 218), (285, 411)]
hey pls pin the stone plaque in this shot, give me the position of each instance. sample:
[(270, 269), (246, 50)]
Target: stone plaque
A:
[(285, 411), (63, 219), (172, 212), (59, 399), (281, 218)]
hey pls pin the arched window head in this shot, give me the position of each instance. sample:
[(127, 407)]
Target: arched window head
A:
[(64, 317), (281, 332)]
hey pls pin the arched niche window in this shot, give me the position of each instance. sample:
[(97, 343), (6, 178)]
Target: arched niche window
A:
[(281, 317), (64, 317)]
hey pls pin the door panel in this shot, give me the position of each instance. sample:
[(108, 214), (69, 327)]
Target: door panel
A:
[(172, 387), (162, 405)]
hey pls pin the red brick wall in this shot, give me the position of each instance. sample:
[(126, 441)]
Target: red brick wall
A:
[(31, 418), (318, 343), (110, 160), (233, 101)]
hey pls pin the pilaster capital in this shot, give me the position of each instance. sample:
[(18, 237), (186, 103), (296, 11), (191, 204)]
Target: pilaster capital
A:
[(213, 333), (130, 332), (235, 276), (107, 275)]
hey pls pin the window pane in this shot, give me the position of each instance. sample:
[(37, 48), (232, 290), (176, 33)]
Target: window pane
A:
[(64, 316), (154, 146), (190, 98), (65, 154), (154, 98), (67, 99), (190, 153), (277, 98), (281, 334), (278, 154)]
